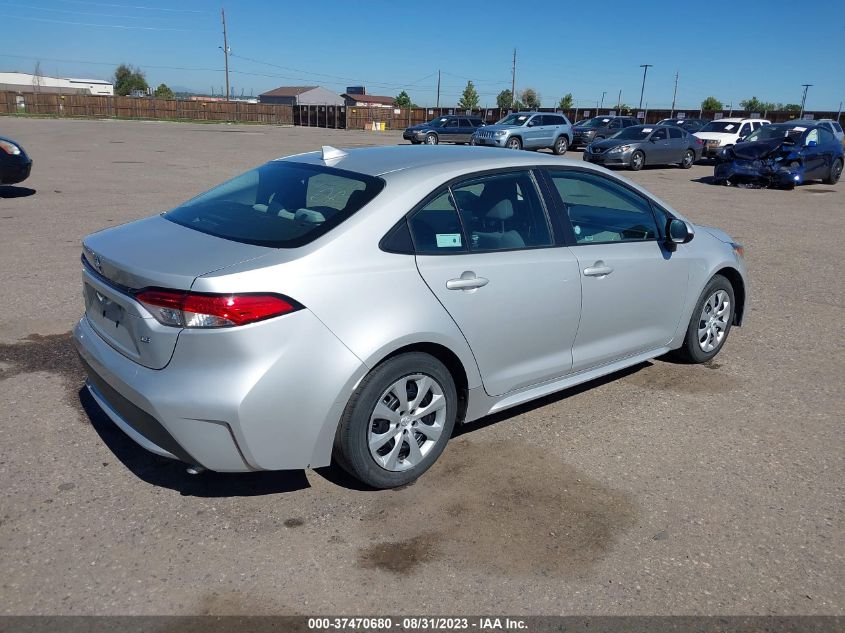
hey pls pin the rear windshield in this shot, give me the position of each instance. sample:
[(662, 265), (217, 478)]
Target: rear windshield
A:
[(280, 204)]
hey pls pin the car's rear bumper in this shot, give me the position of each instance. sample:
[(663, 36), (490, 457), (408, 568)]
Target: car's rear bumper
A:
[(239, 399)]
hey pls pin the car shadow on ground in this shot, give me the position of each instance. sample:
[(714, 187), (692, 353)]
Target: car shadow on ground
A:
[(168, 473), (7, 191), (706, 180)]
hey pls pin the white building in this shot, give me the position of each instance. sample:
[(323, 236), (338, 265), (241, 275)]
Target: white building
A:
[(25, 82)]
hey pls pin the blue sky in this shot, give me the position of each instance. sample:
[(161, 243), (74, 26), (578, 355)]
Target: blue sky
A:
[(732, 51)]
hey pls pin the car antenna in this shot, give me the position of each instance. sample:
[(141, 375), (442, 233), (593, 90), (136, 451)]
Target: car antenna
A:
[(332, 153)]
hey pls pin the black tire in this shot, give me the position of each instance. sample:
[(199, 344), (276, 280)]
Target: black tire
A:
[(691, 351), (688, 159), (514, 142), (637, 161), (473, 142), (431, 139), (835, 172), (561, 145), (351, 449)]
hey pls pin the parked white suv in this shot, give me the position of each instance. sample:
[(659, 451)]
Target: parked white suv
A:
[(726, 132)]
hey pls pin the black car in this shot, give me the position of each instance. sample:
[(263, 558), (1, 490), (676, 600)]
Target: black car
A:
[(599, 127), (451, 128), (15, 165), (690, 125)]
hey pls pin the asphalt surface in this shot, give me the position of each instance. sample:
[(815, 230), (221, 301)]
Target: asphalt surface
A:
[(667, 489)]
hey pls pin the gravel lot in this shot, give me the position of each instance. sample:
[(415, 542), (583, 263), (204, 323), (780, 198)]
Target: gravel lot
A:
[(665, 489)]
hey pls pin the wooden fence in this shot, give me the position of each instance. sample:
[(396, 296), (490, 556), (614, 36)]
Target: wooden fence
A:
[(88, 106), (325, 116)]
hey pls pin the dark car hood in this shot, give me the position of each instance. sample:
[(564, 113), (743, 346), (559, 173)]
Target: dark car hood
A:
[(419, 128), (756, 150)]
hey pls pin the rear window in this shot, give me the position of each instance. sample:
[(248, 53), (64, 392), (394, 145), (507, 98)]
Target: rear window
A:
[(280, 204)]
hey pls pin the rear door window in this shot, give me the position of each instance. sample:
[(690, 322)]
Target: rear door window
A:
[(436, 228), (675, 132), (502, 212), (280, 204)]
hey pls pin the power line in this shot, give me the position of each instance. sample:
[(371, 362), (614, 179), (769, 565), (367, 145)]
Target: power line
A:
[(101, 15), (110, 26), (127, 6), (79, 61)]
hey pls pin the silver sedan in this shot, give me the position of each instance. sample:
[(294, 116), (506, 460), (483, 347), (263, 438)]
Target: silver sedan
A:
[(356, 305)]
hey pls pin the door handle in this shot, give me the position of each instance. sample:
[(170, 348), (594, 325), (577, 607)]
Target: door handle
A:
[(599, 269), (467, 281)]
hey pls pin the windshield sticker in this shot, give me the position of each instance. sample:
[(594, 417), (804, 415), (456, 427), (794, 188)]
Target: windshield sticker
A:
[(448, 240), (522, 118), (729, 126), (646, 130), (798, 129), (605, 120)]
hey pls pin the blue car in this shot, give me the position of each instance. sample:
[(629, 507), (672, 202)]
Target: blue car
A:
[(782, 155), (15, 165)]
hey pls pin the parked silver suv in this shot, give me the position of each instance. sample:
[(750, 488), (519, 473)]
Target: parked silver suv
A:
[(528, 130)]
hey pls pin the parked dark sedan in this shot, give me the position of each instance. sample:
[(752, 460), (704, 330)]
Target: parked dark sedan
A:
[(598, 128), (641, 145), (690, 125), (782, 155), (450, 128), (15, 165)]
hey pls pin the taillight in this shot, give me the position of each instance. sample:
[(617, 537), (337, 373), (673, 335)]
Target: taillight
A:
[(199, 310)]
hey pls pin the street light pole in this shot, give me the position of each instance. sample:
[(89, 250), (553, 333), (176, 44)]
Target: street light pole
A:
[(804, 100), (645, 68)]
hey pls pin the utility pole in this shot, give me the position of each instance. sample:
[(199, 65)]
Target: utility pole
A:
[(225, 51), (671, 114), (645, 68), (513, 80), (804, 100), (604, 92), (619, 101), (839, 114), (438, 88)]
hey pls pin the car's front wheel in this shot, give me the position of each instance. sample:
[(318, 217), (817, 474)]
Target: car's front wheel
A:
[(514, 143), (398, 421), (431, 139), (561, 145), (835, 172), (710, 322), (637, 161)]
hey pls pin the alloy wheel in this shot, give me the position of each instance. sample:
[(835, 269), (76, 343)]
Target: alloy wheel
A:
[(713, 321), (406, 422)]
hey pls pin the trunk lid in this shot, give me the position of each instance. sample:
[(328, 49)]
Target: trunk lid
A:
[(153, 252)]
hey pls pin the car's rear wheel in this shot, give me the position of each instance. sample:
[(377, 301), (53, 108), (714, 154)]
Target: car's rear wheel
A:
[(514, 142), (835, 172), (561, 145), (688, 160), (398, 421), (637, 161), (710, 322), (431, 139)]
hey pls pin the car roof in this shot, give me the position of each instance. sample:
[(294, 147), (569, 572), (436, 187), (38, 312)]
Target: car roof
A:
[(378, 161), (737, 119)]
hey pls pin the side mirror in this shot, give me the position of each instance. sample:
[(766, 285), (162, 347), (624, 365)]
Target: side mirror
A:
[(812, 144), (678, 232)]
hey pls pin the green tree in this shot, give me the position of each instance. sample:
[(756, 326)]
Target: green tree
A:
[(163, 92), (711, 104), (504, 99), (755, 105), (402, 100), (127, 79), (469, 99), (791, 107), (566, 102), (529, 98)]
